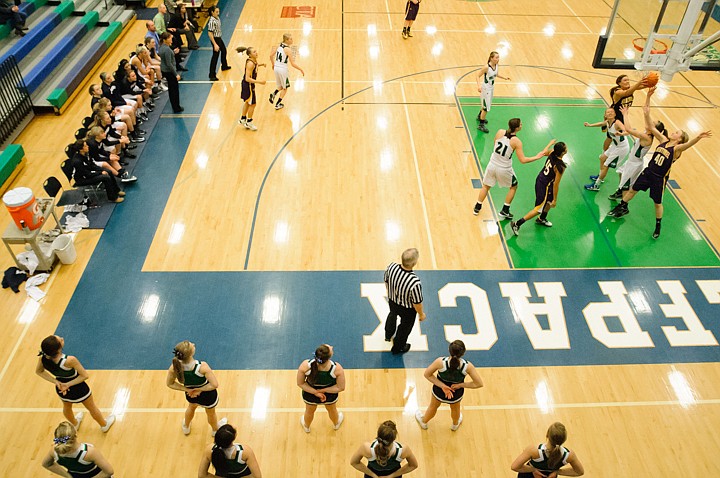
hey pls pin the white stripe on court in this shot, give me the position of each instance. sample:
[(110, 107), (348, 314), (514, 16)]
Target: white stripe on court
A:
[(419, 180), (519, 406)]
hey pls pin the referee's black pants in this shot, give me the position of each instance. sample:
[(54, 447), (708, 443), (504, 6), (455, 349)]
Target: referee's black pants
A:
[(173, 90), (222, 53), (407, 320)]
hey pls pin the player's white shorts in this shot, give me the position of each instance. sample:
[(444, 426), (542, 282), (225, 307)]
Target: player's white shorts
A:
[(615, 153), (486, 96), (282, 78), (503, 177), (631, 171)]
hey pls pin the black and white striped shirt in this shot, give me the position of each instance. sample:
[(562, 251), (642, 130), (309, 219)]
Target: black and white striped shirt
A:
[(214, 27), (403, 286)]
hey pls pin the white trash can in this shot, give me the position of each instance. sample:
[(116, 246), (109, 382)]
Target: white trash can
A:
[(65, 249)]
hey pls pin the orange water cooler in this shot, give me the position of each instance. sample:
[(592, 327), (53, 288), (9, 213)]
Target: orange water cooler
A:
[(23, 208)]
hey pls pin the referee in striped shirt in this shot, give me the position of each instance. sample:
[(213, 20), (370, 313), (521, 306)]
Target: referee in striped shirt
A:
[(405, 297), (219, 49)]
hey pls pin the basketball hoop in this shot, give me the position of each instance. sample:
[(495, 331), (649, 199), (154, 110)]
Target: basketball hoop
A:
[(658, 48)]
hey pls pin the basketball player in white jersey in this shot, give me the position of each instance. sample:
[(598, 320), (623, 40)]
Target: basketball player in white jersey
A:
[(500, 170), (279, 59), (617, 151), (486, 87)]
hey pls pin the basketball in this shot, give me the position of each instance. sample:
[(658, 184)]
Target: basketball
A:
[(652, 79)]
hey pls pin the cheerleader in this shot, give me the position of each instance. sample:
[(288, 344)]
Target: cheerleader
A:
[(548, 459), (321, 381), (384, 455), (69, 377), (198, 381), (71, 459), (449, 384), (229, 459)]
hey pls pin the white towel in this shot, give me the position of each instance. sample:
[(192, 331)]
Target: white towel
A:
[(77, 222), (29, 260), (31, 286), (75, 208)]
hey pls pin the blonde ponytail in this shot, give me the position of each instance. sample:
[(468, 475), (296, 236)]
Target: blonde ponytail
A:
[(65, 439), (181, 352)]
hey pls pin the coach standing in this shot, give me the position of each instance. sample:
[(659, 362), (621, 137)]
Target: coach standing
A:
[(405, 297), (167, 66)]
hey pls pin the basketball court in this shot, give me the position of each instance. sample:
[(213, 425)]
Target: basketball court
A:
[(260, 246)]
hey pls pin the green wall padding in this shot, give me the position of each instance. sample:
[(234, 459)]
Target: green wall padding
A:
[(58, 97), (90, 19), (65, 9), (9, 159), (111, 33)]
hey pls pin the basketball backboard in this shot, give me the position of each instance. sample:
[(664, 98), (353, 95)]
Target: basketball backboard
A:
[(655, 34)]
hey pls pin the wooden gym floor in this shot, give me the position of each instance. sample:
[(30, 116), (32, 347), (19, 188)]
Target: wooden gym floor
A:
[(259, 246)]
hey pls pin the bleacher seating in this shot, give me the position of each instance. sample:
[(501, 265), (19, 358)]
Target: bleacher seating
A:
[(63, 44), (39, 32), (28, 8), (44, 66), (83, 63)]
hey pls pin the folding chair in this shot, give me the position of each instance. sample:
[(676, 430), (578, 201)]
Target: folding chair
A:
[(71, 196), (70, 150), (67, 169), (81, 133)]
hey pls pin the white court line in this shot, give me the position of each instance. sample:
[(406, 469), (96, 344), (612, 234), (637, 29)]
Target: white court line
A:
[(387, 9), (201, 82), (410, 80), (14, 350), (439, 30), (575, 15), (518, 406), (712, 168), (472, 82), (484, 16), (417, 172)]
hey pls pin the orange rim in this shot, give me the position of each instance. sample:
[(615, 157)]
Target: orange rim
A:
[(639, 47)]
